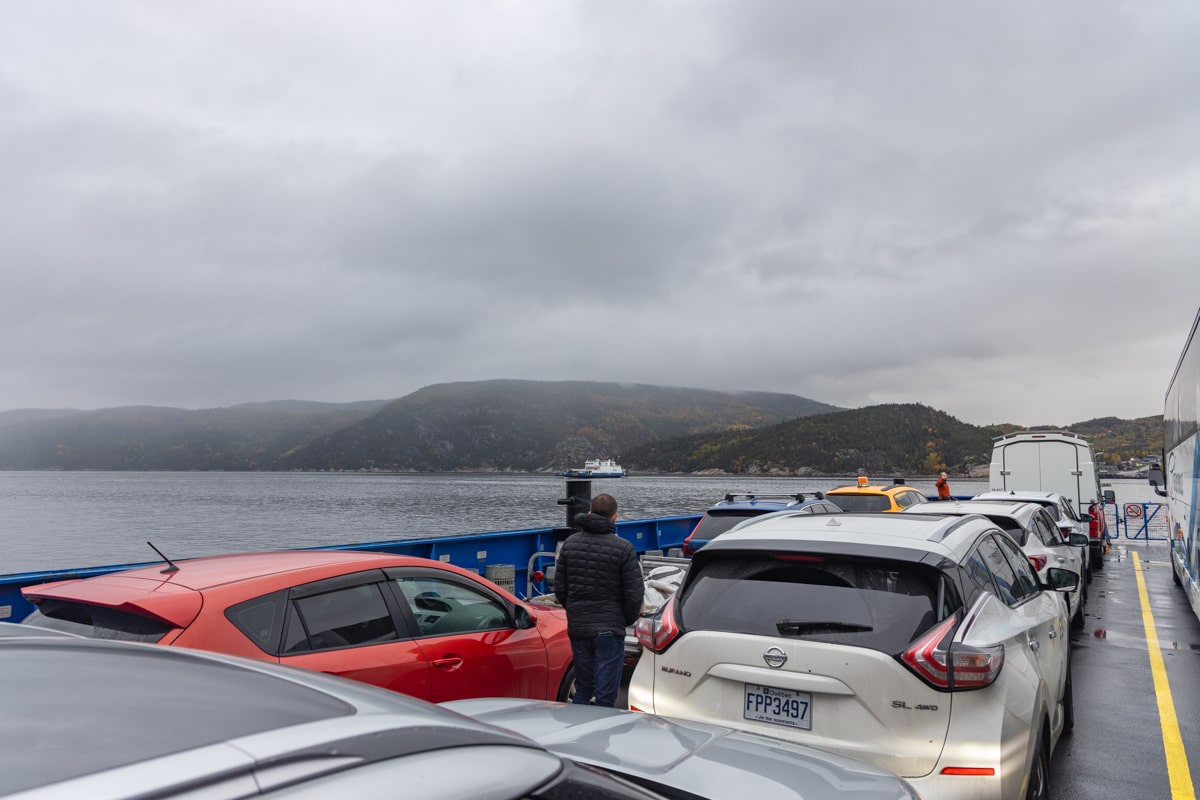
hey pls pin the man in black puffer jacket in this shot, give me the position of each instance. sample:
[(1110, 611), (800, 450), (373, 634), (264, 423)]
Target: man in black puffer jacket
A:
[(598, 580)]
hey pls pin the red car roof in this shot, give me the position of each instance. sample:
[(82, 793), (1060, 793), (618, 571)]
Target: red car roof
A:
[(175, 597)]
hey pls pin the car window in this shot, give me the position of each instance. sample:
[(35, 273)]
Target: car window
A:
[(96, 622), (1052, 509), (1004, 578), (915, 497), (716, 522), (872, 603), (977, 570), (1045, 529), (861, 502), (444, 607), (1012, 528), (1026, 584), (352, 616)]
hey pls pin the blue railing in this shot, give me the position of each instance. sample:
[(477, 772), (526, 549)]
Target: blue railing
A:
[(526, 551), (1145, 522)]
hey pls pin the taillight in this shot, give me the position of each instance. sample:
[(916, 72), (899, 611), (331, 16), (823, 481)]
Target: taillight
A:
[(687, 542), (655, 633), (1039, 562), (952, 666)]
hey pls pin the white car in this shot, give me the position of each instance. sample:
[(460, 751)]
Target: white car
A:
[(1031, 527), (1064, 513), (926, 645)]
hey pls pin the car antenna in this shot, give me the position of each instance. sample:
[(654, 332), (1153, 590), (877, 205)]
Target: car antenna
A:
[(171, 565)]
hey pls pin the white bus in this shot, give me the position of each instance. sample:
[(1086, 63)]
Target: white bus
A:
[(1181, 453)]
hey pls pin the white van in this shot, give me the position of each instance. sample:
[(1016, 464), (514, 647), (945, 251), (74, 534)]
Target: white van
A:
[(1052, 461)]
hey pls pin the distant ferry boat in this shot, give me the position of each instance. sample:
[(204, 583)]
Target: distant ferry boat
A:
[(597, 468)]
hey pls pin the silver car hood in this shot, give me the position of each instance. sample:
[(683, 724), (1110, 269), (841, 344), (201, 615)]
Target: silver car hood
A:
[(707, 760)]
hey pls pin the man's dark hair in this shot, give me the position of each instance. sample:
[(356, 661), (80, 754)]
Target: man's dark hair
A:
[(604, 505)]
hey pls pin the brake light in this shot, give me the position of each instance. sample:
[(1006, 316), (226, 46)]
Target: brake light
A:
[(655, 633), (955, 666), (926, 657), (687, 542), (1039, 562)]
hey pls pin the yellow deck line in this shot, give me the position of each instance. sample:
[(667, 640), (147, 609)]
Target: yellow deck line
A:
[(1177, 764)]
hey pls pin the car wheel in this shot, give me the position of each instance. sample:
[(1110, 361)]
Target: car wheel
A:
[(1098, 559), (1077, 620), (567, 690), (1068, 703), (1175, 575), (1039, 774)]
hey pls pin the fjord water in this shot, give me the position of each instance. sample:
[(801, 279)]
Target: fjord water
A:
[(58, 520)]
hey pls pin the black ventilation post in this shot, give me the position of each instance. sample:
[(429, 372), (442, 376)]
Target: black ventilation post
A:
[(577, 501)]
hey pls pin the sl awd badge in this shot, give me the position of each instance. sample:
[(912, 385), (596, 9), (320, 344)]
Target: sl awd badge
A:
[(775, 657)]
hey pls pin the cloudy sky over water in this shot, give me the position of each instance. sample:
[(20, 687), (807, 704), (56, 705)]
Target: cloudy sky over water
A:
[(990, 208)]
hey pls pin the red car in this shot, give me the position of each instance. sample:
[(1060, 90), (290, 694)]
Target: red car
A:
[(424, 628)]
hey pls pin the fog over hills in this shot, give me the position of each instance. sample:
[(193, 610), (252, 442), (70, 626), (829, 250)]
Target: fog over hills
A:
[(526, 426)]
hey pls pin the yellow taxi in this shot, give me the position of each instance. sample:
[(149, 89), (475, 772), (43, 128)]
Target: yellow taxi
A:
[(865, 497)]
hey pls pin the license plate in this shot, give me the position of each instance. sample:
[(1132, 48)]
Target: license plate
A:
[(778, 706)]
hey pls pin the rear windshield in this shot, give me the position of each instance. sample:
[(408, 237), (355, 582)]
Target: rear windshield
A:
[(882, 605), (714, 523), (96, 622), (1012, 528), (74, 708), (860, 502)]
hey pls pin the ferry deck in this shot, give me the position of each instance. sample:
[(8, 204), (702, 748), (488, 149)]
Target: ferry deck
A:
[(1136, 673)]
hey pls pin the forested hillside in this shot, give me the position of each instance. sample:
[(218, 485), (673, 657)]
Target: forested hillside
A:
[(905, 439), (531, 426), (527, 426), (244, 437)]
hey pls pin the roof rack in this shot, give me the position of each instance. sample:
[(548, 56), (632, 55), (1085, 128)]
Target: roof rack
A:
[(799, 497)]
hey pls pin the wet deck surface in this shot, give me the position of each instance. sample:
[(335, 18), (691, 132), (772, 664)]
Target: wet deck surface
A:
[(1117, 749)]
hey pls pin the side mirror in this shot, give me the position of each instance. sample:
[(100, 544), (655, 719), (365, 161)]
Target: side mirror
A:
[(1087, 518), (1062, 580), (524, 617), (1078, 540), (1155, 474), (1110, 496)]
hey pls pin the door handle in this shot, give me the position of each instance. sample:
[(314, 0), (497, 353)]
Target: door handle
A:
[(448, 663)]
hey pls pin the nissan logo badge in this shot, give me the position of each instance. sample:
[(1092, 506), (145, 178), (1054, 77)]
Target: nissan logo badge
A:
[(775, 657)]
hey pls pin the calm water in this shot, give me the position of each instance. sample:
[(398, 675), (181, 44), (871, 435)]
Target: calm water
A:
[(54, 520)]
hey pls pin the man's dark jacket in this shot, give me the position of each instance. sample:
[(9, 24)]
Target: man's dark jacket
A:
[(597, 579)]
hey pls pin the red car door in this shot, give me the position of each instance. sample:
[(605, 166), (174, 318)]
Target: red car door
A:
[(352, 632), (470, 639)]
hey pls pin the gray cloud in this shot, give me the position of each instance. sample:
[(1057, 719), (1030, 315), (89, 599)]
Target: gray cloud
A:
[(988, 211)]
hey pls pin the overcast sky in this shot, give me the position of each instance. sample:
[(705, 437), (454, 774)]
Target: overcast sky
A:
[(990, 208)]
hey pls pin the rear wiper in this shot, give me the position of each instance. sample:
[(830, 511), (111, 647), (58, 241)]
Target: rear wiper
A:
[(796, 627)]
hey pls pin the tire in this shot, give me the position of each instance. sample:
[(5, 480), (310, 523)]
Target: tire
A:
[(1175, 575), (1069, 703), (567, 690), (1078, 620), (1098, 558), (1038, 787)]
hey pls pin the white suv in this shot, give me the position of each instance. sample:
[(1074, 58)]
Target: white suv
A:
[(1064, 513), (1045, 544), (924, 644)]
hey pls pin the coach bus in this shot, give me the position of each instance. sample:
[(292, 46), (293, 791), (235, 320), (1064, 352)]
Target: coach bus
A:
[(1181, 458)]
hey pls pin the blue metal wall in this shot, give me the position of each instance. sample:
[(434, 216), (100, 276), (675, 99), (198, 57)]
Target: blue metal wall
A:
[(520, 549)]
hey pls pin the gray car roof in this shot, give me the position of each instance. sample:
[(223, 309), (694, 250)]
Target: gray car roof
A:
[(81, 707), (948, 536)]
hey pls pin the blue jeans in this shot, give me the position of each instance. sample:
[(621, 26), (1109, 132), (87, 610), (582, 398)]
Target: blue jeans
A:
[(598, 664)]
